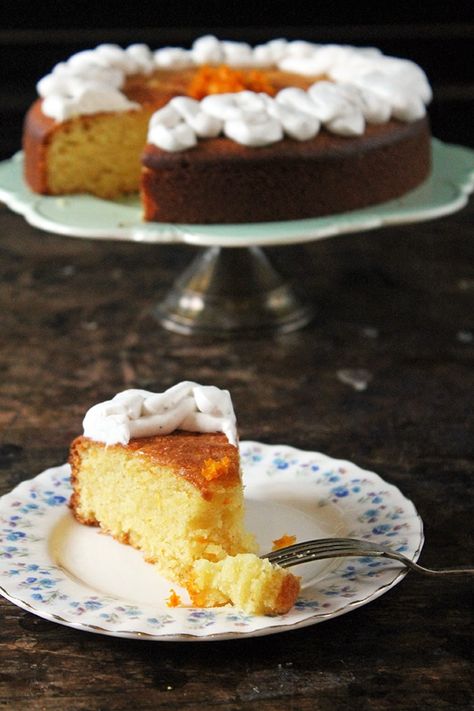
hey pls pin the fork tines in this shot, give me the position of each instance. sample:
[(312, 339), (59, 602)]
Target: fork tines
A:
[(322, 548)]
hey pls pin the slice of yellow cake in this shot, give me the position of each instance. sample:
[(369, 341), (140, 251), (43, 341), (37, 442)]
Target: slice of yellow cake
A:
[(161, 472)]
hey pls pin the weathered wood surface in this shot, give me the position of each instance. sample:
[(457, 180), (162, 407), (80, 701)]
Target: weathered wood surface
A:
[(397, 303)]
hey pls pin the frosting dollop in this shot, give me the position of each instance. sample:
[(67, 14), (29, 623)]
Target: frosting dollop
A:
[(362, 85), (139, 413)]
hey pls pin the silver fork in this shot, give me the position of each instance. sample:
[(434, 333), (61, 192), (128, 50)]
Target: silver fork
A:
[(348, 547)]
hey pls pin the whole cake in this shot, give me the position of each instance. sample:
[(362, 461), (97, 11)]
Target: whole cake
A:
[(226, 132), (161, 472)]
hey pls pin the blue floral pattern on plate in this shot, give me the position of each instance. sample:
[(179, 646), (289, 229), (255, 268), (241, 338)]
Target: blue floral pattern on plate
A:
[(369, 507)]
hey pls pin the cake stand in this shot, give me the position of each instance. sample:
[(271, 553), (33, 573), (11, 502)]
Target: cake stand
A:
[(231, 287)]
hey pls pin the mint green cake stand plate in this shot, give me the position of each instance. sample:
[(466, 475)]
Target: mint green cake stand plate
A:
[(227, 290)]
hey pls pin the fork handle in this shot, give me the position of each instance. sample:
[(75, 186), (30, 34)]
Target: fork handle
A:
[(355, 552), (420, 568)]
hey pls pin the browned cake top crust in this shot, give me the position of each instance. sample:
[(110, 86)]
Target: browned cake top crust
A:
[(202, 458)]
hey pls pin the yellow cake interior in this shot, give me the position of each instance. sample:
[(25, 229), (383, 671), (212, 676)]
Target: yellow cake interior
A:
[(253, 584), (162, 514), (179, 499), (106, 150)]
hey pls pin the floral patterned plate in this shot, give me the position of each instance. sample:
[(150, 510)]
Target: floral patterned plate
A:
[(71, 574)]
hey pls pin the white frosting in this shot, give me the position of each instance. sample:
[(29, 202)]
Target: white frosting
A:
[(90, 82), (364, 86), (140, 413)]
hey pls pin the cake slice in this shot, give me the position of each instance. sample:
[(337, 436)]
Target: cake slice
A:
[(176, 497), (161, 472)]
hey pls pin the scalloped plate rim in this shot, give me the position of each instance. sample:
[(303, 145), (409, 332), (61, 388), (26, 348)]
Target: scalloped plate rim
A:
[(316, 617)]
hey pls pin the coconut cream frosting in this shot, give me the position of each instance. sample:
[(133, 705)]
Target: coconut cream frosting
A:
[(139, 413), (363, 86)]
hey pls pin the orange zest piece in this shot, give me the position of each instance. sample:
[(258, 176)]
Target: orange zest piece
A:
[(214, 468), (173, 600), (225, 80), (284, 541)]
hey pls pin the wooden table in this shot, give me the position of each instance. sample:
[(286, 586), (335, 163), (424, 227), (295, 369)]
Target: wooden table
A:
[(397, 303)]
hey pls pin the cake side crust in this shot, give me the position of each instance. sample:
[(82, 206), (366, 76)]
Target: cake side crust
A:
[(220, 181)]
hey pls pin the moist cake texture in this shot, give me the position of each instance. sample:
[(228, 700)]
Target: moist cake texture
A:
[(176, 496)]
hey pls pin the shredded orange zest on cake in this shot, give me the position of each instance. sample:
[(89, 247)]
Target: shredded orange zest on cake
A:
[(284, 541), (173, 600), (224, 79), (214, 468)]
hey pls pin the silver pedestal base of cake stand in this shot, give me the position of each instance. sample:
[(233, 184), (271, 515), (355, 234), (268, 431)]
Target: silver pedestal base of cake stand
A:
[(230, 291)]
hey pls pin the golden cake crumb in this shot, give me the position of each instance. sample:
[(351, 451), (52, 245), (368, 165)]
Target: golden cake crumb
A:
[(179, 499)]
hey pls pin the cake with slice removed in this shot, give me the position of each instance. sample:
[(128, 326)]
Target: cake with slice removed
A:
[(224, 132), (161, 472)]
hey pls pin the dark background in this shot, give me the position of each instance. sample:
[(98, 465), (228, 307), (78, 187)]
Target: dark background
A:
[(77, 326), (36, 35)]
